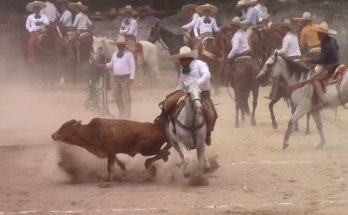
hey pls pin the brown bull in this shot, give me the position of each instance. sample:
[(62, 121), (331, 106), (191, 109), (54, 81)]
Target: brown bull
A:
[(106, 137)]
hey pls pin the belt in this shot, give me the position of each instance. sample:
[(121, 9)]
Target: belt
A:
[(122, 76)]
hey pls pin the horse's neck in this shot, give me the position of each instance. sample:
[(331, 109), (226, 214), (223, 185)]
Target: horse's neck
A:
[(288, 76), (186, 115), (169, 38)]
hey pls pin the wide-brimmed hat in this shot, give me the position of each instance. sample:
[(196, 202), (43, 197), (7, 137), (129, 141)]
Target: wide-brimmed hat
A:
[(30, 7), (127, 8), (236, 22), (324, 28), (188, 7), (119, 40), (242, 3), (77, 6), (184, 52), (204, 7), (307, 16)]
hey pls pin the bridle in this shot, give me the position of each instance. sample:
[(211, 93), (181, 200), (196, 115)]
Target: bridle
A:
[(157, 37)]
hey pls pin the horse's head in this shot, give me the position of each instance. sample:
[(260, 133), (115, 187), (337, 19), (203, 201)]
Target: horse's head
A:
[(194, 95), (98, 49), (154, 33), (271, 69)]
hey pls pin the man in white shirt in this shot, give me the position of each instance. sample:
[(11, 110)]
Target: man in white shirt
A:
[(81, 22), (240, 46), (290, 49), (50, 11), (189, 11), (262, 11), (66, 17), (35, 24), (206, 24), (123, 70), (129, 27), (197, 70)]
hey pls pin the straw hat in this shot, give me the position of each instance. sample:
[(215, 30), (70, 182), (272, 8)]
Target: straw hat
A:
[(120, 40), (236, 21), (324, 28), (77, 6), (185, 52), (242, 3), (204, 7), (307, 16), (127, 8), (188, 7), (30, 7)]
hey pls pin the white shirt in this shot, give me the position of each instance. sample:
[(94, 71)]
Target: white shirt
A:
[(251, 17), (66, 18), (239, 43), (191, 24), (82, 21), (200, 72), (262, 12), (32, 23), (50, 11), (202, 27), (290, 46), (131, 29), (122, 66)]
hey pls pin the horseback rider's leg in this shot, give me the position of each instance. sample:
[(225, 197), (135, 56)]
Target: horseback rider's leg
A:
[(210, 114), (171, 101), (320, 75), (32, 42)]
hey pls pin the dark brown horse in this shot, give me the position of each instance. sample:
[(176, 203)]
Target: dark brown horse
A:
[(241, 75)]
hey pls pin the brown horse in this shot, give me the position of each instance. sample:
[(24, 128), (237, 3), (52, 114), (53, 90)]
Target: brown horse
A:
[(241, 75)]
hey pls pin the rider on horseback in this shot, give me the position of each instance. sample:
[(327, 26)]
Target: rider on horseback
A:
[(262, 11), (50, 11), (81, 22), (327, 62), (290, 49), (66, 17), (206, 24), (129, 27), (189, 10), (197, 70), (35, 25)]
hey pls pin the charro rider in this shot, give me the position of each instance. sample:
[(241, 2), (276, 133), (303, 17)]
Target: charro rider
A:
[(327, 62), (35, 24), (251, 15), (50, 11), (189, 11), (206, 24), (263, 15), (81, 22), (309, 41), (290, 48), (197, 70), (66, 18), (129, 27)]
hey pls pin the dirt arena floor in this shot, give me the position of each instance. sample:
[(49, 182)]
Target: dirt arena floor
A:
[(255, 177)]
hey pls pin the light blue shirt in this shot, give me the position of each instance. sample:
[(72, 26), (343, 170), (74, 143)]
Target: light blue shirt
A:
[(252, 16)]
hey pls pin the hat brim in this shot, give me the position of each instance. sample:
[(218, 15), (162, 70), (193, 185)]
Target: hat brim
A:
[(77, 7), (202, 8), (188, 7), (235, 24), (30, 7), (330, 31), (192, 54), (247, 4)]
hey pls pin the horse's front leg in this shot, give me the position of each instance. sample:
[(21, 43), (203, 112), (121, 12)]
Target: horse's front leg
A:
[(292, 112), (308, 130), (317, 119), (255, 97), (201, 157), (298, 114), (271, 110)]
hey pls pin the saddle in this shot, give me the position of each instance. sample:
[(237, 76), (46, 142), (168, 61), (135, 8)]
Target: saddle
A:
[(337, 76)]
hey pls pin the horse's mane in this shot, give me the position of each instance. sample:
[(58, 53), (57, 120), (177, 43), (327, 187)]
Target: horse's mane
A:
[(296, 68)]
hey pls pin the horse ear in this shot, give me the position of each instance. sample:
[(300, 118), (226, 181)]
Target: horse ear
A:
[(276, 53)]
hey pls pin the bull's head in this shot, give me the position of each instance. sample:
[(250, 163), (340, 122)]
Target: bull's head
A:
[(66, 131)]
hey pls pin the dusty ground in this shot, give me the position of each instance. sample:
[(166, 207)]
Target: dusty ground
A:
[(255, 177)]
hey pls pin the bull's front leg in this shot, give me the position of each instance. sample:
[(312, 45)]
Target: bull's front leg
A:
[(111, 163)]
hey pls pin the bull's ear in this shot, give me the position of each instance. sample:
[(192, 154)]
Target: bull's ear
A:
[(77, 123)]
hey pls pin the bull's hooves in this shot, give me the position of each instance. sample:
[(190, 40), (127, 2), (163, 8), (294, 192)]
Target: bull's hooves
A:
[(320, 146), (286, 145)]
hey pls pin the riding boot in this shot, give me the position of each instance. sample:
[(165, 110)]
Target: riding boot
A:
[(320, 95)]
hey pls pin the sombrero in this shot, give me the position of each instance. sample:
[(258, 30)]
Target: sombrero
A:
[(242, 3), (120, 40), (77, 6), (185, 52), (127, 8), (204, 7), (236, 21), (324, 28), (307, 16), (30, 7), (188, 7)]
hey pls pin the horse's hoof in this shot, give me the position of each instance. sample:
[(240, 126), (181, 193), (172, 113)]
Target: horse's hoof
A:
[(253, 122), (308, 132), (320, 146), (285, 145), (274, 125)]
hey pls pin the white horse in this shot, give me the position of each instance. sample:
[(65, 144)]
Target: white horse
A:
[(188, 130), (337, 94), (149, 61)]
